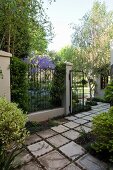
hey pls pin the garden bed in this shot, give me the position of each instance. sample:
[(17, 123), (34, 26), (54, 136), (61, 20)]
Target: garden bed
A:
[(86, 141), (34, 127)]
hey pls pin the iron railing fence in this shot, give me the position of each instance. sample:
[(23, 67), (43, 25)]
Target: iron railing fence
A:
[(40, 88)]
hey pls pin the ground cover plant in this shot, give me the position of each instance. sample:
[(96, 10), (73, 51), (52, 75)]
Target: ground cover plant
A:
[(34, 127)]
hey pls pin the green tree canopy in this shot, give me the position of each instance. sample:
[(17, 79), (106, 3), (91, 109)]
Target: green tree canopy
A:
[(93, 36), (24, 27)]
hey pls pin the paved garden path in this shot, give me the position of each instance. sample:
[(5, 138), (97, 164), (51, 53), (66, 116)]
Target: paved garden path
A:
[(55, 149)]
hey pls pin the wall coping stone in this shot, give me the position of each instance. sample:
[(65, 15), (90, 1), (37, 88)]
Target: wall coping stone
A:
[(5, 54), (68, 63)]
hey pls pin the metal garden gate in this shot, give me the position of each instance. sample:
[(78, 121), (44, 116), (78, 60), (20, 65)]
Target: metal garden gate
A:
[(77, 83)]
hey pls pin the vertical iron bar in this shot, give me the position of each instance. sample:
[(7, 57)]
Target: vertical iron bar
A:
[(37, 88), (83, 89), (70, 85), (40, 92)]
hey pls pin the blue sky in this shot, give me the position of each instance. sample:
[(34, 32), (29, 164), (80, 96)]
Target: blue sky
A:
[(64, 12)]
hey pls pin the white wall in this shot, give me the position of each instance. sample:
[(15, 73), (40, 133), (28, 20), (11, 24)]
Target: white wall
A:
[(46, 114), (5, 82)]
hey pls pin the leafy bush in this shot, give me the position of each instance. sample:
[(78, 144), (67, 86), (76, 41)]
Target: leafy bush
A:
[(58, 87), (103, 130), (91, 103), (19, 83), (109, 93), (80, 108), (12, 132), (98, 99)]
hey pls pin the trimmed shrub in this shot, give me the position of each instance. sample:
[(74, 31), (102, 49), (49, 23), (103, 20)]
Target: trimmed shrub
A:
[(58, 87), (12, 132), (19, 83), (103, 130), (109, 93), (98, 99), (77, 108), (91, 103)]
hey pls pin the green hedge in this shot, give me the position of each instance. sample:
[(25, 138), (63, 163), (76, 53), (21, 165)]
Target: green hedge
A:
[(58, 85), (19, 83)]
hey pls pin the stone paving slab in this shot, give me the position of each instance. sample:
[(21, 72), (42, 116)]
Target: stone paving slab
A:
[(81, 121), (60, 128), (71, 125), (106, 110), (39, 148), (71, 134), (32, 139), (90, 112), (47, 133), (71, 167), (89, 118), (88, 162), (31, 166), (83, 128), (54, 161), (72, 150), (93, 114), (88, 124), (70, 118), (58, 140), (22, 158), (80, 115)]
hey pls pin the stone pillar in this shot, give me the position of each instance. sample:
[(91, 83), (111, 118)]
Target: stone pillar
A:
[(68, 95), (5, 67), (111, 50), (98, 92)]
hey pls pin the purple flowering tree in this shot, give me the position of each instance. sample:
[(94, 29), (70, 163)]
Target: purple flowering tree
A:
[(42, 62)]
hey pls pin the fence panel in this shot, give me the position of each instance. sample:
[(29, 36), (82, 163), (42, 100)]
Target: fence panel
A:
[(77, 90), (40, 85)]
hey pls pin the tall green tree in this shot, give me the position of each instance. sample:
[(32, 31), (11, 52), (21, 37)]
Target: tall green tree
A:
[(67, 53), (24, 26), (92, 38)]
